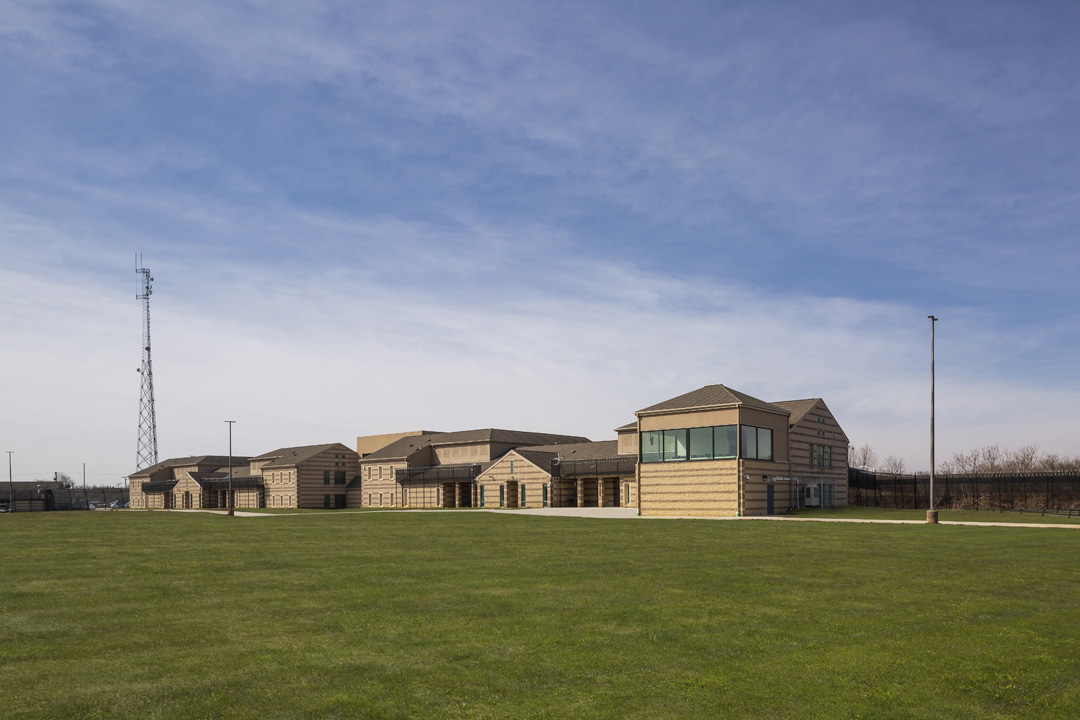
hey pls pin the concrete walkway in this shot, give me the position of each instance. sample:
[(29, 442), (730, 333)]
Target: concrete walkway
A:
[(623, 513)]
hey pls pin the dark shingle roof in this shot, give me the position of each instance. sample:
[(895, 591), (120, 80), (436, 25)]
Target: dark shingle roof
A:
[(709, 396), (542, 455), (407, 445), (192, 460), (288, 457), (797, 408)]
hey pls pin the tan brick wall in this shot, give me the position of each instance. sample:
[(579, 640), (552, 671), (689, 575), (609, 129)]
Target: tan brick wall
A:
[(512, 468), (690, 488), (371, 484), (311, 485), (819, 428)]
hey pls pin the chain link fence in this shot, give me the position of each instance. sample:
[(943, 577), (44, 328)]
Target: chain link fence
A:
[(1053, 492)]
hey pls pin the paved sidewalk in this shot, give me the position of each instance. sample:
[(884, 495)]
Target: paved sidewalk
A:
[(623, 513)]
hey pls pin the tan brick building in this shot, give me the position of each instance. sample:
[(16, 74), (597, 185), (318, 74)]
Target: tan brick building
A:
[(311, 476), (439, 469), (718, 451)]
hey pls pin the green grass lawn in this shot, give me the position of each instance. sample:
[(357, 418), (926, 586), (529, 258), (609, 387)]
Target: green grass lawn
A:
[(989, 516), (481, 615)]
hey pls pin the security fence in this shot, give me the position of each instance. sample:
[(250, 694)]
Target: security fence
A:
[(34, 499), (1051, 492)]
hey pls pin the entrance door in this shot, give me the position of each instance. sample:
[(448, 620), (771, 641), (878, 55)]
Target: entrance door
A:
[(769, 499)]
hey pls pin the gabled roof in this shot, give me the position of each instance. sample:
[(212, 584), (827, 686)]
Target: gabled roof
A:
[(289, 457), (797, 408), (216, 460), (707, 397), (542, 455), (627, 426), (407, 445)]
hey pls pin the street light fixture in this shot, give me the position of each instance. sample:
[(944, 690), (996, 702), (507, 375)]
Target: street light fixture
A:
[(230, 500), (932, 513)]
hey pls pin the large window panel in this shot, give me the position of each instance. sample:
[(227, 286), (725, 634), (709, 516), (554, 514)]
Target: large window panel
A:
[(701, 443), (674, 445), (725, 441), (764, 444), (651, 446), (749, 442)]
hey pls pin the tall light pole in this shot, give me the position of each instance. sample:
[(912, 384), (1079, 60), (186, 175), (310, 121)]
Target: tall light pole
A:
[(230, 500), (932, 514), (11, 485)]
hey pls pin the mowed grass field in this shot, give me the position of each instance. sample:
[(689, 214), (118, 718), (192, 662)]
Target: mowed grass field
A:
[(479, 615)]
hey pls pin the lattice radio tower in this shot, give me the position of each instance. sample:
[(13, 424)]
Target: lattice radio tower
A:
[(146, 455)]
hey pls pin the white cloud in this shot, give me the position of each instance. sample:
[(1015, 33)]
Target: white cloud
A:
[(305, 354)]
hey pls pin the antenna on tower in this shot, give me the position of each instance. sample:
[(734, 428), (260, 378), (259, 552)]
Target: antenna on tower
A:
[(146, 454)]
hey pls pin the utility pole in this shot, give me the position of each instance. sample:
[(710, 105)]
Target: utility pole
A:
[(85, 498), (932, 513), (230, 503), (11, 485)]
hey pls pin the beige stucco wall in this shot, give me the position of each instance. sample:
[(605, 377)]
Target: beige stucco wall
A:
[(628, 442), (367, 444), (691, 419)]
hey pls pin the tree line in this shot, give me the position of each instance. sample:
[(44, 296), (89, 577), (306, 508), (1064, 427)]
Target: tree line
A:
[(988, 459)]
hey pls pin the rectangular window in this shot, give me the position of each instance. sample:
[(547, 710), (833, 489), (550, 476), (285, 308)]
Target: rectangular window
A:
[(339, 477), (749, 442), (830, 456), (764, 444), (725, 441), (326, 477), (757, 443), (545, 495), (650, 446), (369, 500), (522, 490), (810, 462), (380, 500), (511, 467), (820, 455), (392, 500), (674, 445), (326, 501), (701, 443), (339, 501), (502, 496), (481, 496)]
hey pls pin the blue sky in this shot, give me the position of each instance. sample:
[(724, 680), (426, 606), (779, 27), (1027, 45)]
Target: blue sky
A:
[(371, 217)]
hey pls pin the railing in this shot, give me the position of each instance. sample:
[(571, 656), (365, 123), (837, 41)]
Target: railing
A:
[(594, 468), (439, 473)]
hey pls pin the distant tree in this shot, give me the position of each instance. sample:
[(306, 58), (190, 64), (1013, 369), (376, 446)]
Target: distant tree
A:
[(864, 457), (991, 459), (894, 465), (1023, 459), (65, 479)]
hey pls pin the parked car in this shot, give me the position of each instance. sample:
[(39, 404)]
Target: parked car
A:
[(92, 507)]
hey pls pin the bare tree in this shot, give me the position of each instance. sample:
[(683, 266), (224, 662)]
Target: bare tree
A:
[(65, 479), (864, 457), (1023, 459), (894, 465), (991, 458)]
